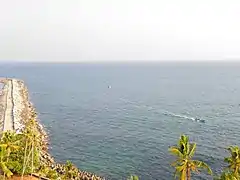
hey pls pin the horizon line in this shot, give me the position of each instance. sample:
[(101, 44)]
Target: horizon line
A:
[(118, 61)]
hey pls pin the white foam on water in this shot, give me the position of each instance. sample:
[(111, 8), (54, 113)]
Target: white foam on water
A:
[(167, 113), (183, 116)]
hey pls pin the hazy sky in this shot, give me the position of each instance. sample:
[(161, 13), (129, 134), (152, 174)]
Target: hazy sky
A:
[(93, 30)]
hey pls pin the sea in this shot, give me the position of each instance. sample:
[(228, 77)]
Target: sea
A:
[(118, 119)]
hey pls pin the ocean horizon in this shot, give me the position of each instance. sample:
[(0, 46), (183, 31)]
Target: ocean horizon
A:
[(117, 119)]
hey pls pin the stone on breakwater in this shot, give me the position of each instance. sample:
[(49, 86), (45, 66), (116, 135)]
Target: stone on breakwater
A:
[(18, 105)]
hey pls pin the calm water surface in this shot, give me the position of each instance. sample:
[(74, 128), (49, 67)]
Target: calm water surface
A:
[(128, 128)]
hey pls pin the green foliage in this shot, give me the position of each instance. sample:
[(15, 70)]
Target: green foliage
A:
[(184, 163), (70, 171), (52, 174), (15, 148), (20, 154), (9, 143), (5, 169), (31, 145), (15, 166), (133, 177), (48, 172), (233, 160), (227, 176)]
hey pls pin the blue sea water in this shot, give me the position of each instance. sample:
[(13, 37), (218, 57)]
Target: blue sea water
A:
[(128, 128)]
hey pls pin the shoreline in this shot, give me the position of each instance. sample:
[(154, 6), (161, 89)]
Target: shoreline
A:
[(22, 111)]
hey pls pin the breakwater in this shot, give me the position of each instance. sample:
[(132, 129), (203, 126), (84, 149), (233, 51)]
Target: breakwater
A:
[(16, 111)]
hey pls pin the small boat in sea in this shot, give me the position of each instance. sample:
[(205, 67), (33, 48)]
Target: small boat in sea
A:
[(109, 87), (199, 120), (196, 119)]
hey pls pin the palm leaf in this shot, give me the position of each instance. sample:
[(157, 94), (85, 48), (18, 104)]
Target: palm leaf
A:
[(176, 163), (202, 165), (3, 145), (228, 160), (227, 176), (193, 149), (180, 168), (5, 169), (234, 159), (175, 151), (133, 177), (176, 173), (232, 150)]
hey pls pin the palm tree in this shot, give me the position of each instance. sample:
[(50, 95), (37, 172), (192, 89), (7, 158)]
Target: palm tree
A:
[(35, 142), (26, 139), (29, 136), (184, 164), (234, 160), (32, 144)]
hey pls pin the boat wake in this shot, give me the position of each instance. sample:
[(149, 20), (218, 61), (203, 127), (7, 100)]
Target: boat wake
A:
[(184, 117), (164, 112)]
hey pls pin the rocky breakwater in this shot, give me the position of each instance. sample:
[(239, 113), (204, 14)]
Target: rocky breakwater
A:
[(18, 112)]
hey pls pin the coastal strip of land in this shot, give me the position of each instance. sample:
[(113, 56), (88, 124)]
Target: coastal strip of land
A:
[(16, 110), (8, 115)]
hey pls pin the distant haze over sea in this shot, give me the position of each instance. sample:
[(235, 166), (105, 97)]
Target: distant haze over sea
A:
[(128, 128)]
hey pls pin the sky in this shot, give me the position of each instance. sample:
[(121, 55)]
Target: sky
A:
[(119, 30)]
